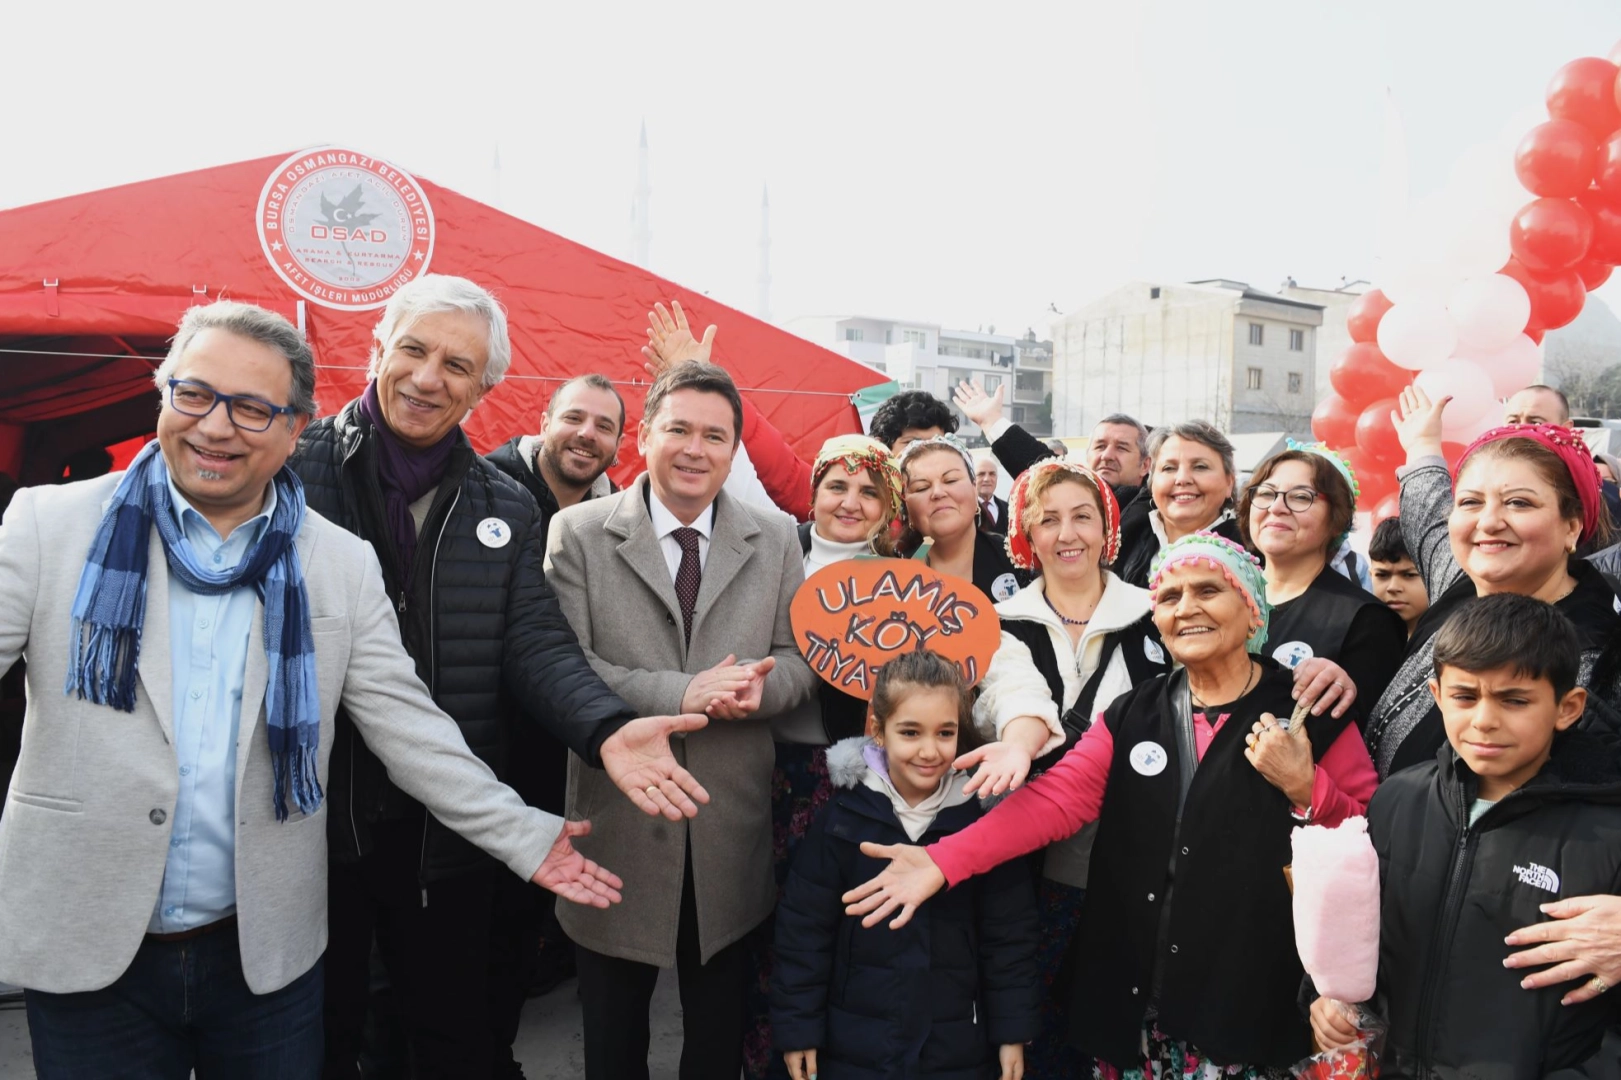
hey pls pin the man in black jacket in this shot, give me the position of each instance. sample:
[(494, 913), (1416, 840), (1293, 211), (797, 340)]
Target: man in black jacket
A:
[(461, 551), (566, 463)]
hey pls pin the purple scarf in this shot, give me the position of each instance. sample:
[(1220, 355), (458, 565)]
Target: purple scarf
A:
[(405, 474)]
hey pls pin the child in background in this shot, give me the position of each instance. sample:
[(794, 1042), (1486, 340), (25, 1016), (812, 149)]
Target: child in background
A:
[(954, 993), (1396, 581), (1518, 810)]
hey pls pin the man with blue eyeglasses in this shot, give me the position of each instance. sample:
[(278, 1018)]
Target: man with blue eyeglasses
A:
[(191, 631)]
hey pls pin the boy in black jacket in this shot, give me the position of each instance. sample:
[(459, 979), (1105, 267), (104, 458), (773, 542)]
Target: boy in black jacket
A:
[(1517, 810)]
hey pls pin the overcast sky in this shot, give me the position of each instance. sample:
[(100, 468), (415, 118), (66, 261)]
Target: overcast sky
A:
[(966, 164)]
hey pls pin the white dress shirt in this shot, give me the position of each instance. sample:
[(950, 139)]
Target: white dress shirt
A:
[(665, 523)]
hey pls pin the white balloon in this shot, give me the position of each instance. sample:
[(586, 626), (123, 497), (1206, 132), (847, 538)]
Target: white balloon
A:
[(1489, 312), (1417, 335), (1417, 269), (1470, 390), (1513, 367)]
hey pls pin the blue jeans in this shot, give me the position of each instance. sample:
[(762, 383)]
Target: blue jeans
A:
[(180, 1006)]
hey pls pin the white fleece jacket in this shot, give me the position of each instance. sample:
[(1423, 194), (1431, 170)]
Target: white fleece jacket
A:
[(1012, 686)]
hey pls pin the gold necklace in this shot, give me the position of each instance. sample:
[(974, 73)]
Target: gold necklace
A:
[(1254, 669)]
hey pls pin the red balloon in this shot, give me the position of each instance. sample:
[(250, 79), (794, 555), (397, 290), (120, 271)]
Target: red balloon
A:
[(1376, 479), (1389, 507), (1535, 333), (1607, 167), (1556, 299), (1334, 421), (1363, 319), (1556, 159), (1594, 273), (1376, 435), (1549, 235), (1584, 91), (1606, 226), (1362, 375), (1453, 452)]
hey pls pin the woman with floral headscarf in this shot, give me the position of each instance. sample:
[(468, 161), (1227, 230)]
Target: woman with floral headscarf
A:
[(1295, 513), (937, 476), (1526, 501), (1185, 956), (1073, 640)]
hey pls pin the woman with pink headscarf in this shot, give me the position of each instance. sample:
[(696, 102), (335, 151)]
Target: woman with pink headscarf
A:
[(1525, 503)]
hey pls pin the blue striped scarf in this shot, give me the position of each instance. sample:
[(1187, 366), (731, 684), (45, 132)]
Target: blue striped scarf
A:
[(109, 611)]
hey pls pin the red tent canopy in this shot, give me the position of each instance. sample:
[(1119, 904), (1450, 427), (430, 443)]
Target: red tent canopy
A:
[(91, 287)]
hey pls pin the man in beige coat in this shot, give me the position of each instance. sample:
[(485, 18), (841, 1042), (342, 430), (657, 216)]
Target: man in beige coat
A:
[(680, 594)]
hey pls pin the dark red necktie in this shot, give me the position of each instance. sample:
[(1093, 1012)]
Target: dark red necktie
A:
[(688, 577)]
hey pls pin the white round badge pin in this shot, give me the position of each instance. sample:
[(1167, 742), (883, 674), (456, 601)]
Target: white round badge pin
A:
[(493, 533)]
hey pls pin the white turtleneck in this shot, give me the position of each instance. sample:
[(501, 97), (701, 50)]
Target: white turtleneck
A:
[(826, 552)]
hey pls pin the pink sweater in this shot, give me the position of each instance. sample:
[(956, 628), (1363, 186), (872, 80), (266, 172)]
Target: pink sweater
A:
[(1070, 794)]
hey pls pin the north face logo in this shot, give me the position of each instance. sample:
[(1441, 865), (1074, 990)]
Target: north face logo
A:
[(1539, 876)]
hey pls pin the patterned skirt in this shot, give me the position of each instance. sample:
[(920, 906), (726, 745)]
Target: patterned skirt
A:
[(1050, 1055), (799, 789), (1166, 1058)]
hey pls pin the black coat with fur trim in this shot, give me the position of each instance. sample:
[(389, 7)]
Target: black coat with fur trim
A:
[(1453, 891), (935, 999)]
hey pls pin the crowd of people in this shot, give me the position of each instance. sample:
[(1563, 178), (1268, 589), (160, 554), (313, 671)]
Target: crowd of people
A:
[(270, 753)]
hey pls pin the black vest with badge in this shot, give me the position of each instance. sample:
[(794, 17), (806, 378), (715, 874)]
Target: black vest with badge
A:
[(1189, 907), (994, 573), (1315, 622), (1145, 658)]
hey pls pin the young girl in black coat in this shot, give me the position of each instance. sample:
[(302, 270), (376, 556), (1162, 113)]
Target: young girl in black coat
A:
[(952, 996)]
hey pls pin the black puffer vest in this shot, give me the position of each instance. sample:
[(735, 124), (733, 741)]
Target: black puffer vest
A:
[(457, 622)]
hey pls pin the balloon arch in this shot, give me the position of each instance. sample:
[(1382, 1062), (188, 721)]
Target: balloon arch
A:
[(1480, 276)]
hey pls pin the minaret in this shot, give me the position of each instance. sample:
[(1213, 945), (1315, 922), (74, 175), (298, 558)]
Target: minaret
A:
[(762, 303), (641, 232)]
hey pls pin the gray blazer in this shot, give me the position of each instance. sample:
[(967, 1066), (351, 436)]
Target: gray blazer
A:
[(85, 834), (604, 563)]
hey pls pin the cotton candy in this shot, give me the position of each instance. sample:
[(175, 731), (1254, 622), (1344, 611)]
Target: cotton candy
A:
[(1336, 908)]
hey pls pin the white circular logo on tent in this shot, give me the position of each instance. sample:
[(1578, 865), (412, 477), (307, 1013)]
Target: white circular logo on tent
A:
[(1291, 654), (345, 230)]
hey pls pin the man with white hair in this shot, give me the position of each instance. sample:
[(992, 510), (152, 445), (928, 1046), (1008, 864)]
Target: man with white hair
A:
[(461, 548)]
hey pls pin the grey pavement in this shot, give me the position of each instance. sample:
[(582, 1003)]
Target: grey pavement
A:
[(549, 1042)]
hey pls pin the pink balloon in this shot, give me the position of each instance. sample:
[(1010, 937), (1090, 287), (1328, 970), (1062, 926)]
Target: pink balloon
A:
[(1417, 334), (1490, 311), (1512, 369), (1467, 385)]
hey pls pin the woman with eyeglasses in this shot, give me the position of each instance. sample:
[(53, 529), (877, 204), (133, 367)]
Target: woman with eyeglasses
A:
[(1294, 514)]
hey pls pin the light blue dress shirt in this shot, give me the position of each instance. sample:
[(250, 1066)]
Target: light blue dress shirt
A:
[(208, 645)]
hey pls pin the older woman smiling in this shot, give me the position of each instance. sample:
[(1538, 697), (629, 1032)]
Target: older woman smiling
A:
[(1185, 952)]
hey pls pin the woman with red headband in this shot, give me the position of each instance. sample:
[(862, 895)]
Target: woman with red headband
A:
[(1526, 500), (1073, 640)]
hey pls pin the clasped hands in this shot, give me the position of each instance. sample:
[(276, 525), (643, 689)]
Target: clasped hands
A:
[(729, 690)]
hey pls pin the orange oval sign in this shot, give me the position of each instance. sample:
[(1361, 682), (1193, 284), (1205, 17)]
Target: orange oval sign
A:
[(854, 616)]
